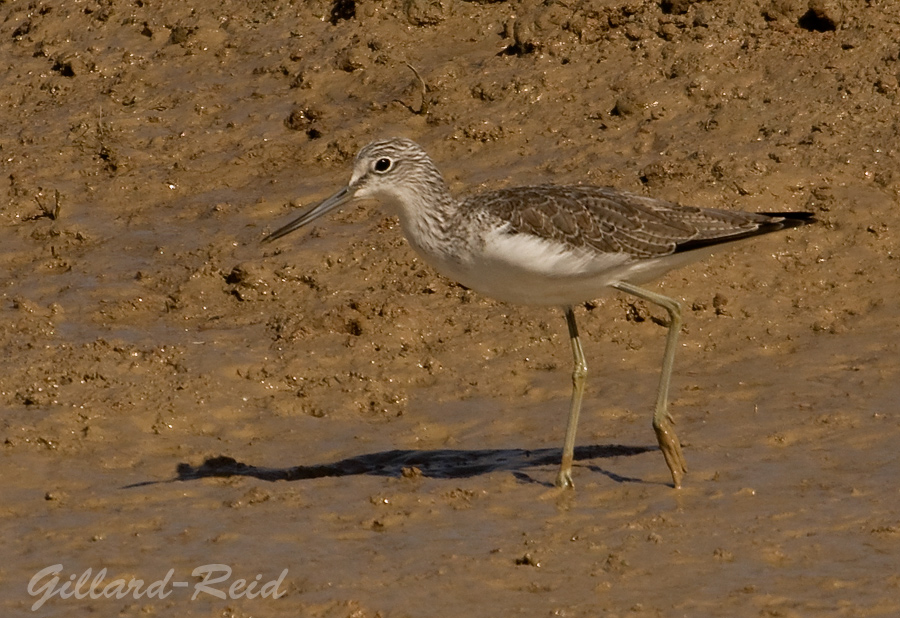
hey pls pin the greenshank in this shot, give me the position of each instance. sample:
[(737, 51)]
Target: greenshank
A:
[(549, 245)]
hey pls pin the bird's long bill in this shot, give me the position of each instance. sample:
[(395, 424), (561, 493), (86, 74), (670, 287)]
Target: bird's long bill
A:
[(341, 197)]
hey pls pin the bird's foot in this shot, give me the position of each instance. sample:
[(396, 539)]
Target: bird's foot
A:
[(671, 448), (564, 479)]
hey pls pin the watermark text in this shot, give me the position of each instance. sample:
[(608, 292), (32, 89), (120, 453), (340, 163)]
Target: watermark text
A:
[(214, 581)]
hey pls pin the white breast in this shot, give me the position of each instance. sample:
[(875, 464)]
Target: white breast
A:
[(526, 269)]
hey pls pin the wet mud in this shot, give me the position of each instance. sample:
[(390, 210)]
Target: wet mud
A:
[(176, 394)]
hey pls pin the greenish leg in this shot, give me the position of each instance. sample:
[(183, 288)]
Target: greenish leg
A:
[(564, 478), (663, 423)]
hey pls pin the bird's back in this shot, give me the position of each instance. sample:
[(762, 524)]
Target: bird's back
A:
[(606, 220)]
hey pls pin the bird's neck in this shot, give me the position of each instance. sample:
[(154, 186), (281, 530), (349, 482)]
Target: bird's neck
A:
[(427, 219)]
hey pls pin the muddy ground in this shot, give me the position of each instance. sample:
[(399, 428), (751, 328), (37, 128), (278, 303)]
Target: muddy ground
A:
[(175, 394)]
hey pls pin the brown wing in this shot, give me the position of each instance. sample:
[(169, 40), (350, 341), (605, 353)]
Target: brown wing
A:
[(612, 221)]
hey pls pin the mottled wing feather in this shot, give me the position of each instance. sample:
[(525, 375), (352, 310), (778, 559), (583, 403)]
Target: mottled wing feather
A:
[(611, 221)]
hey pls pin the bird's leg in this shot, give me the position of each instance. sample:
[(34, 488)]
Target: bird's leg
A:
[(579, 373), (663, 423)]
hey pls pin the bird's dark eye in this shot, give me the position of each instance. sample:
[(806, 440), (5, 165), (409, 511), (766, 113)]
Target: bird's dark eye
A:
[(382, 165)]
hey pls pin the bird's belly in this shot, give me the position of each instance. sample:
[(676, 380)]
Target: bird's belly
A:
[(525, 270), (529, 270)]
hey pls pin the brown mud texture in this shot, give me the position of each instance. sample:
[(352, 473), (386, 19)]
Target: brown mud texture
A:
[(176, 395)]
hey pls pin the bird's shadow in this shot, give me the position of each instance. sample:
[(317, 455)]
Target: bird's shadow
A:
[(441, 463)]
